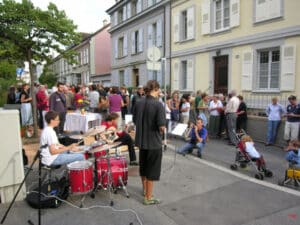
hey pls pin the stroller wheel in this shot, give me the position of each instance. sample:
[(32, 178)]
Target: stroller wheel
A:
[(268, 173), (233, 167), (259, 176)]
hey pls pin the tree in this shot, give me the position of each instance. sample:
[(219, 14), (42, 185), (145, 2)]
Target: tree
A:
[(35, 34), (48, 77)]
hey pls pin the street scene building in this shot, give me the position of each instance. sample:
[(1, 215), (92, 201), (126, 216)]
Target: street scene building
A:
[(136, 26), (249, 46), (93, 60)]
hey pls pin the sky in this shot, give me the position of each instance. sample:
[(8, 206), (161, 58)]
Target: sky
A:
[(88, 15)]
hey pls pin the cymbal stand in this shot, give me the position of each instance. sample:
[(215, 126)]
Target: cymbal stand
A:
[(109, 177)]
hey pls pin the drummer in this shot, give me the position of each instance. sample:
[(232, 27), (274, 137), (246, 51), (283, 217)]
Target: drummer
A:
[(111, 125), (54, 153)]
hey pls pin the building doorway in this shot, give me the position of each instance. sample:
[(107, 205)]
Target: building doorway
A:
[(135, 78), (221, 74)]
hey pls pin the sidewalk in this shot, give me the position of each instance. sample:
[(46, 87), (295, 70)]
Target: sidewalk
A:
[(194, 192)]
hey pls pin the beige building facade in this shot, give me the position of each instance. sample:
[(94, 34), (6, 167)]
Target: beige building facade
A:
[(251, 46)]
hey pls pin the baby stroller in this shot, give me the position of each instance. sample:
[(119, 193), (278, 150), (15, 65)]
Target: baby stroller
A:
[(243, 159)]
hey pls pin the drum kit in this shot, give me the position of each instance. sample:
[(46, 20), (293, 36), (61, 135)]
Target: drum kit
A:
[(104, 168)]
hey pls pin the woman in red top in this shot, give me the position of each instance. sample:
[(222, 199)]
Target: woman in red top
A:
[(111, 125), (78, 96)]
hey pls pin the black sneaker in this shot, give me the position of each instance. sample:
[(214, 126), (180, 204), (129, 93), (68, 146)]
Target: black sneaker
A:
[(199, 155)]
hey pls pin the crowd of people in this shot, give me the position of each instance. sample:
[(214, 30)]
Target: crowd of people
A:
[(154, 113)]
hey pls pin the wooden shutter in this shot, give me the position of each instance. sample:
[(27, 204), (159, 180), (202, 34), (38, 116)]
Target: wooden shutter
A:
[(190, 75), (124, 13), (191, 23), (125, 45), (159, 33), (150, 35), (138, 6), (247, 71), (234, 13), (141, 40), (176, 76), (128, 10), (176, 34), (205, 17), (115, 18), (274, 8), (116, 48), (150, 3), (133, 42), (262, 10), (288, 66)]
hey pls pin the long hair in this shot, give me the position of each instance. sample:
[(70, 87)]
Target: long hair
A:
[(150, 86)]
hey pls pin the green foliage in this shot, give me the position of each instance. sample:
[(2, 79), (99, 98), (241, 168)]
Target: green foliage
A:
[(7, 70), (4, 86), (48, 77)]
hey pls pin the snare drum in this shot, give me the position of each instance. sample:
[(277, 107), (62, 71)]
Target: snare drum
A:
[(84, 150), (81, 177), (119, 170)]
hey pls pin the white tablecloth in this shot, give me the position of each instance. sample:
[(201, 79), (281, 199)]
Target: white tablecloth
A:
[(79, 122)]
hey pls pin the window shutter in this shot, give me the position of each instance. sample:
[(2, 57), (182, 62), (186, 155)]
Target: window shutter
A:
[(138, 6), (205, 17), (274, 8), (191, 23), (116, 48), (133, 42), (262, 10), (128, 10), (141, 40), (288, 65), (116, 18), (125, 45), (176, 76), (159, 33), (176, 28), (247, 71), (234, 13), (150, 35), (124, 13), (150, 3), (190, 74), (126, 78)]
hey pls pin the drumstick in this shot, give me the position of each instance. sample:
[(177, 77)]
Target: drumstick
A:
[(79, 142)]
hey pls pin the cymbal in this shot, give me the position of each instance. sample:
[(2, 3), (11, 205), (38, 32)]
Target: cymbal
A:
[(105, 147), (76, 136)]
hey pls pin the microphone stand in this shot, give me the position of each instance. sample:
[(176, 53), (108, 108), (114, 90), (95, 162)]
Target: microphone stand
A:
[(38, 155)]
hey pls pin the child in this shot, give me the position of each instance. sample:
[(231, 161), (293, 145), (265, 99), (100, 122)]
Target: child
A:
[(293, 153), (248, 146)]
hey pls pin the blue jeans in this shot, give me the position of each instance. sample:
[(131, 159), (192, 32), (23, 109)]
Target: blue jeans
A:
[(189, 146), (272, 131), (292, 157), (66, 158)]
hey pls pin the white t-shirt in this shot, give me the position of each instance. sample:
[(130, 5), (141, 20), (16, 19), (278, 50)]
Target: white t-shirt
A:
[(250, 149), (48, 137), (212, 105), (185, 106)]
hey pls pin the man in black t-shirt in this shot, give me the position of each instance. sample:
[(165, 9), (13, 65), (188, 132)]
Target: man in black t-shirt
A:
[(150, 119), (292, 123)]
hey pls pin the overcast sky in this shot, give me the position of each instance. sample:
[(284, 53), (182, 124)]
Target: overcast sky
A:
[(88, 15)]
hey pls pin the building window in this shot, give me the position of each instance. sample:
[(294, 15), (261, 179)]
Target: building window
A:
[(121, 77), (184, 24), (154, 34), (120, 15), (183, 83), (136, 41), (222, 14), (268, 69), (120, 47)]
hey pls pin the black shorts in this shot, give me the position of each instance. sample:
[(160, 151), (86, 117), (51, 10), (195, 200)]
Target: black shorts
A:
[(150, 163)]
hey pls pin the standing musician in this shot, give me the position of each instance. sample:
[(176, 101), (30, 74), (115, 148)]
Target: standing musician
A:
[(55, 153), (110, 123), (150, 119)]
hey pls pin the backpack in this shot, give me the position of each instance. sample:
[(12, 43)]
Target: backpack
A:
[(58, 188)]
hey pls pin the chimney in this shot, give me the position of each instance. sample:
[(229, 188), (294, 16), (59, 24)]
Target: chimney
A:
[(105, 22)]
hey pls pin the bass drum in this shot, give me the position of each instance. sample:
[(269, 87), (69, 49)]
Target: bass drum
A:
[(119, 171)]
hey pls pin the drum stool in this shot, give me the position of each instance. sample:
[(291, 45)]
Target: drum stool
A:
[(47, 179)]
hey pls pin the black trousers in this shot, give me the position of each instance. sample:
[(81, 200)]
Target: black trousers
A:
[(127, 140), (60, 128)]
